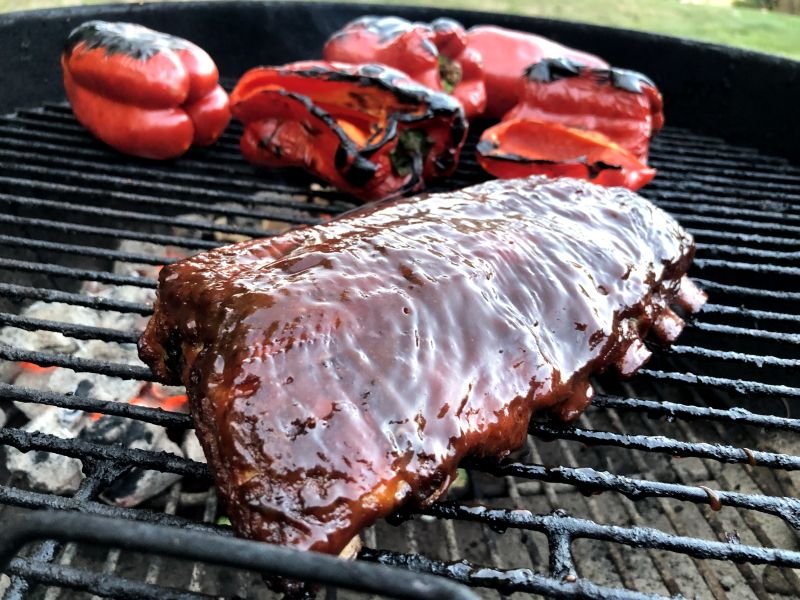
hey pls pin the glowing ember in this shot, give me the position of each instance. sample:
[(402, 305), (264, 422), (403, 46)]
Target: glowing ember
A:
[(29, 366), (154, 396)]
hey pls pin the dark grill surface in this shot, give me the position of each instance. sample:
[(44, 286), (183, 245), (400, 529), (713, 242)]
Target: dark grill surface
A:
[(695, 457)]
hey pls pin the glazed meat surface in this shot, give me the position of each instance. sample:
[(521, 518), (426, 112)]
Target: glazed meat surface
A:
[(339, 371)]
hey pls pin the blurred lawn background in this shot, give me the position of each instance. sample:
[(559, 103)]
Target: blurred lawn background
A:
[(754, 24)]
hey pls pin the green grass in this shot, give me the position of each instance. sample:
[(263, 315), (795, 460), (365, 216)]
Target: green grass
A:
[(770, 32), (775, 33)]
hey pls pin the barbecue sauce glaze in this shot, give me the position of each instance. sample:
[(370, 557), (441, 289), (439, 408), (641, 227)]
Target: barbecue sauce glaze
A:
[(340, 371)]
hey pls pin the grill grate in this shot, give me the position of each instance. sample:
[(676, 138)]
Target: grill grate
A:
[(723, 395)]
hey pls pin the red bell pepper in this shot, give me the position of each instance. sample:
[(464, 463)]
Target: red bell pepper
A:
[(143, 92), (367, 129), (507, 53), (518, 148), (435, 55), (623, 105)]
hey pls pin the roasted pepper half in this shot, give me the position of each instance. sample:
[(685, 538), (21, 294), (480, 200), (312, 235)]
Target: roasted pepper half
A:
[(143, 92), (435, 55), (521, 147), (506, 54), (623, 105), (366, 129)]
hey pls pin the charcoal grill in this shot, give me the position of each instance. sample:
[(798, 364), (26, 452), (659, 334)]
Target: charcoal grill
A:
[(682, 481)]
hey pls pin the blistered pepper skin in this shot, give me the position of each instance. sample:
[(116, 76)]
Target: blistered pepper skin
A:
[(507, 53), (156, 133), (623, 105), (434, 54), (366, 129), (519, 148), (143, 92)]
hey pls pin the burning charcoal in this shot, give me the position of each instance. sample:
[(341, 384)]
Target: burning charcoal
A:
[(137, 485), (191, 447), (49, 340), (189, 232), (128, 293), (8, 371), (148, 248), (272, 226), (46, 471), (66, 381)]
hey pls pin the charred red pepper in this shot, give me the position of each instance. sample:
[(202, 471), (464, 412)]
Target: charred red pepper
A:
[(518, 148), (507, 53), (366, 129), (143, 92), (623, 105), (435, 55)]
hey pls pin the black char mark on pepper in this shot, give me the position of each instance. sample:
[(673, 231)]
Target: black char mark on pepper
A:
[(131, 39), (553, 69)]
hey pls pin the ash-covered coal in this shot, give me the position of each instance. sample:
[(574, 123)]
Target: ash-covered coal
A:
[(60, 474), (137, 485), (46, 471)]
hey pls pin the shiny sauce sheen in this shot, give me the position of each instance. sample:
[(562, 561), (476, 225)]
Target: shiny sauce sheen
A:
[(340, 371)]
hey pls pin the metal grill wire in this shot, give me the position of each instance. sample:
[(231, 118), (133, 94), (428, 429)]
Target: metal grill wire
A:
[(724, 395)]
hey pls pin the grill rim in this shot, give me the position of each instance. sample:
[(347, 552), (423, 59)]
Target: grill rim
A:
[(560, 565)]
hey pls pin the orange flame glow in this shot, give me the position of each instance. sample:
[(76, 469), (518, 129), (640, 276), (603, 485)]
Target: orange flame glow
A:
[(29, 366), (153, 396)]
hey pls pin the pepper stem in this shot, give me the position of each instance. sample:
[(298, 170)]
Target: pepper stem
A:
[(411, 151), (450, 73)]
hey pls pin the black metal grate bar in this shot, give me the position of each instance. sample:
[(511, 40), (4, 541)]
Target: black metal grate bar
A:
[(639, 537), (25, 441), (754, 359), (688, 412), (81, 332), (718, 249), (156, 416), (704, 263), (101, 584), (649, 443), (28, 202), (72, 273), (21, 292), (741, 290), (737, 386), (117, 234), (722, 309), (589, 481), (49, 175), (234, 553), (87, 365), (746, 238), (750, 218), (81, 250), (506, 581)]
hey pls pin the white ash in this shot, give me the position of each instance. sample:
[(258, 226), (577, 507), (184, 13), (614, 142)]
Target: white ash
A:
[(137, 485), (187, 231), (50, 341), (3, 417), (46, 471), (62, 475), (65, 381), (191, 447), (8, 370), (5, 581)]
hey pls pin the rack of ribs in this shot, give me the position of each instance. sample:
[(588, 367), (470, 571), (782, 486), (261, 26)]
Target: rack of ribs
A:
[(338, 372)]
